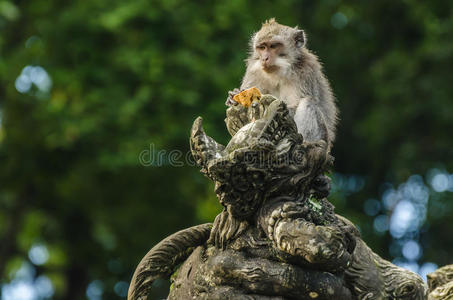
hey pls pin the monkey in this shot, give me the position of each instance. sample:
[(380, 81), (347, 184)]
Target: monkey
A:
[(280, 64)]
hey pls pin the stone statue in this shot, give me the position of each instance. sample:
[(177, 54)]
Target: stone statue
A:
[(278, 237), (441, 283)]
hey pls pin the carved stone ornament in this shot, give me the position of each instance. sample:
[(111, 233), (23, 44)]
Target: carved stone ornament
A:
[(277, 237), (441, 283)]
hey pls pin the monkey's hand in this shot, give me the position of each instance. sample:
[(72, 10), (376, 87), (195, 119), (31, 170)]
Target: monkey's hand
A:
[(230, 101)]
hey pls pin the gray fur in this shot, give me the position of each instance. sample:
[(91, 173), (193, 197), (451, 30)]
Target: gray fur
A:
[(299, 81)]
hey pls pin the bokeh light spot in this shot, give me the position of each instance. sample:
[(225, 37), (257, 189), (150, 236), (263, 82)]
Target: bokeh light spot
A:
[(18, 290), (372, 207), (427, 268), (23, 83), (95, 290), (389, 198), (44, 287), (339, 20), (402, 218), (121, 288), (411, 266), (411, 250), (33, 75), (440, 182), (38, 254), (380, 224)]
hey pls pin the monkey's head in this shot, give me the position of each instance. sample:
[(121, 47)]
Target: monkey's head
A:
[(276, 47)]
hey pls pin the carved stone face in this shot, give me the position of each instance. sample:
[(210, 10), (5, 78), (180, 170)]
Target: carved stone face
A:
[(264, 158)]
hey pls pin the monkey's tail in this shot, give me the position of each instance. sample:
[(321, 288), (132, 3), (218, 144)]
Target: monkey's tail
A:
[(163, 258)]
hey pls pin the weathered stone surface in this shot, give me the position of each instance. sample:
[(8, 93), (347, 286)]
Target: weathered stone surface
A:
[(277, 237), (441, 283), (162, 259), (213, 273)]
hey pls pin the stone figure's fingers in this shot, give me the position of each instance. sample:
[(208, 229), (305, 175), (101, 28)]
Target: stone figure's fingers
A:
[(320, 245), (293, 210), (236, 118), (244, 118), (270, 278)]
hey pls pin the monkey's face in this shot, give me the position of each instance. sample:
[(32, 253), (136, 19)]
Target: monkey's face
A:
[(272, 55), (277, 47)]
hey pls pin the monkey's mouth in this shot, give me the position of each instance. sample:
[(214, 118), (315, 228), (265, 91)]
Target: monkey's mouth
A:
[(270, 68)]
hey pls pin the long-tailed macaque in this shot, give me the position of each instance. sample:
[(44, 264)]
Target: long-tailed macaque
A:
[(281, 65)]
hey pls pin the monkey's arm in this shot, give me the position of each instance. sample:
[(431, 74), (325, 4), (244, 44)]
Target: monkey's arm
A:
[(247, 82), (249, 79)]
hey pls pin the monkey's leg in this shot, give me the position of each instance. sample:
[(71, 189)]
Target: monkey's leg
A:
[(310, 121)]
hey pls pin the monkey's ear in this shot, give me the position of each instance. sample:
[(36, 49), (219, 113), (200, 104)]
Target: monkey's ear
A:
[(299, 38)]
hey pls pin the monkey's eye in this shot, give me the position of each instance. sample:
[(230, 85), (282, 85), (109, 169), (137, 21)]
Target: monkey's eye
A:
[(261, 47), (275, 45), (282, 55)]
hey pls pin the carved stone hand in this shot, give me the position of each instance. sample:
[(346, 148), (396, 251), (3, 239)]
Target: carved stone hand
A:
[(320, 245)]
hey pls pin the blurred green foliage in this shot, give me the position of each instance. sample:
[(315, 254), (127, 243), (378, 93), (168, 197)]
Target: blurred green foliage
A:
[(127, 76)]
